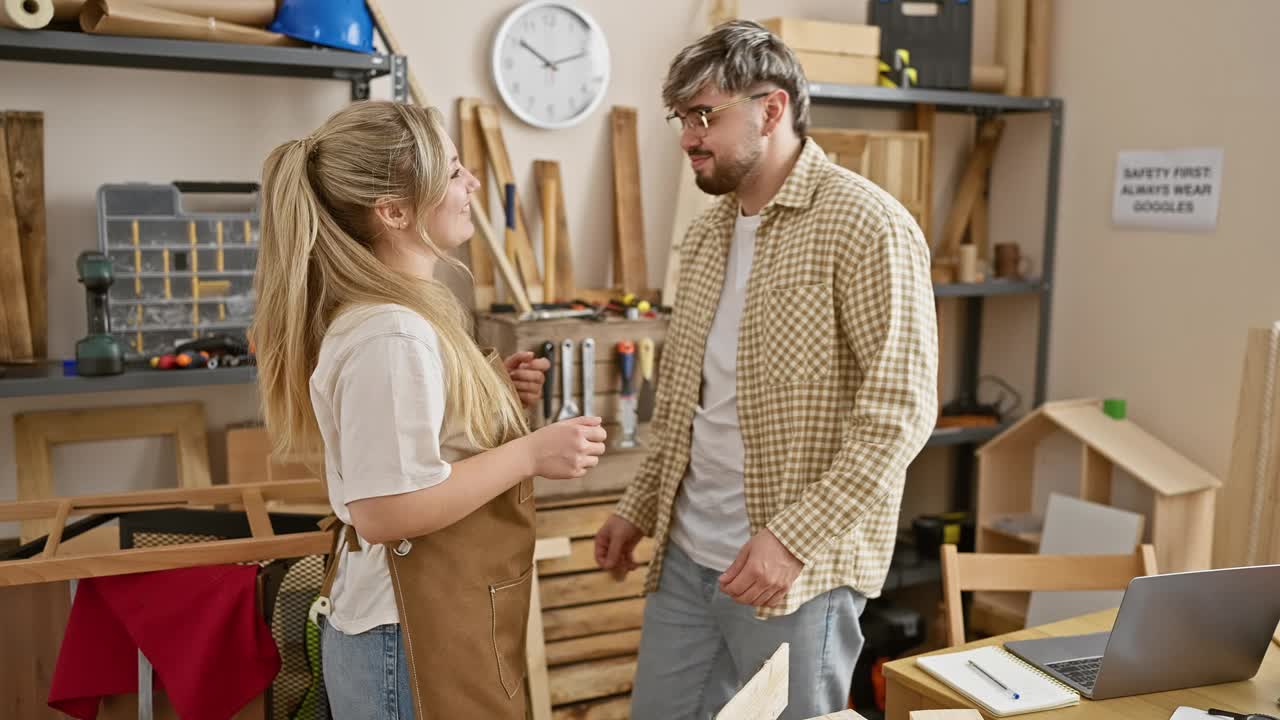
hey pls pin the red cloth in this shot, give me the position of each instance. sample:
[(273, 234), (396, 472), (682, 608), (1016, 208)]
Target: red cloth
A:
[(199, 627)]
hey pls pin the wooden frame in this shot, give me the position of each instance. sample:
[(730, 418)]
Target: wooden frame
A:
[(900, 161), (36, 433), (1021, 572), (264, 545)]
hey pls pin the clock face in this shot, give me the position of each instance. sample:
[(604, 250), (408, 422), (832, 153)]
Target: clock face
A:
[(551, 64)]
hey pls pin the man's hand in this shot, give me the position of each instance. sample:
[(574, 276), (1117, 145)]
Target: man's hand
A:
[(527, 374), (762, 573), (615, 541)]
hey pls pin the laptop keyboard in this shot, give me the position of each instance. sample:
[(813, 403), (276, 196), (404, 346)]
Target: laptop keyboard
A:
[(1082, 672)]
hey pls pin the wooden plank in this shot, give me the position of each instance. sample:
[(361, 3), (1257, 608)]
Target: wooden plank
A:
[(586, 681), (1095, 475), (970, 186), (1011, 43), (1039, 24), (550, 191), (256, 509), (629, 266), (500, 161), (582, 558), (612, 616), (35, 621), (614, 708), (514, 287), (471, 151), (764, 697), (1011, 573), (1250, 500), (579, 501), (122, 562), (54, 541), (565, 590), (573, 523), (926, 122), (288, 490), (565, 285), (690, 203), (593, 647), (15, 322), (25, 137)]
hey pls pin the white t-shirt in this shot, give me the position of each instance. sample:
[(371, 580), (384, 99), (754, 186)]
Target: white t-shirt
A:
[(379, 396), (710, 521)]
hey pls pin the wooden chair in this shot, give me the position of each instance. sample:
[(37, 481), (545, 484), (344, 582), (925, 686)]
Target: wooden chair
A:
[(1026, 572)]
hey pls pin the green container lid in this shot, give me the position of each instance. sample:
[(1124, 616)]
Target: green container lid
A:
[(1114, 408)]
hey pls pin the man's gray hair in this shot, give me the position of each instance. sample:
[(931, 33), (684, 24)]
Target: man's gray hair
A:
[(736, 57)]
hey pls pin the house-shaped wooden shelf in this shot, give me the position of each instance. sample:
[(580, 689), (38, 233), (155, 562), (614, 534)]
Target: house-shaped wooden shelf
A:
[(1183, 494)]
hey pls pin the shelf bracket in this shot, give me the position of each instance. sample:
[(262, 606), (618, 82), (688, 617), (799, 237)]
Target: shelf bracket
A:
[(400, 78)]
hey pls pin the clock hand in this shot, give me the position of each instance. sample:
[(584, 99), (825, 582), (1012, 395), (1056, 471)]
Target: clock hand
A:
[(545, 62), (575, 56)]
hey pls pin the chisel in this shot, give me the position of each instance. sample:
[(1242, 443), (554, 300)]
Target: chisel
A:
[(588, 374), (627, 399), (647, 388), (548, 351)]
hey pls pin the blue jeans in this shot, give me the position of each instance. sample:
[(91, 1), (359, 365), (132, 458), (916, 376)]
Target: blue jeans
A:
[(365, 675), (698, 647)]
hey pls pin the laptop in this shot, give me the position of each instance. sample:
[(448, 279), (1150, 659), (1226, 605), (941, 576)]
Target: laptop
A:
[(1173, 631)]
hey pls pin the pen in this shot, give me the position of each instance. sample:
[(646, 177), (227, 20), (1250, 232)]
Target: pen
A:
[(993, 679)]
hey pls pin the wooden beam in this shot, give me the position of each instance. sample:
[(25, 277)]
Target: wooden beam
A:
[(25, 137), (514, 287), (500, 161), (122, 562), (1039, 25), (971, 186), (55, 533), (586, 681), (629, 261), (256, 508), (1011, 43), (550, 190), (15, 321), (564, 590), (579, 522), (289, 490), (593, 647), (565, 285), (584, 620), (471, 149)]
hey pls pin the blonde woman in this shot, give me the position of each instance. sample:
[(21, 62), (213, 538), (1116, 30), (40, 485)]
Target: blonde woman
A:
[(427, 455)]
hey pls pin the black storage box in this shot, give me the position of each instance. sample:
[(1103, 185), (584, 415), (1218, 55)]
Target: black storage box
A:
[(939, 39)]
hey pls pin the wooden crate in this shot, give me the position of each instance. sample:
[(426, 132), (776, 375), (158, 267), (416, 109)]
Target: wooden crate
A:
[(591, 622), (898, 161), (618, 466)]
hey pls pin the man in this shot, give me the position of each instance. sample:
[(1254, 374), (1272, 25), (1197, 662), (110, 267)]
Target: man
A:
[(798, 382)]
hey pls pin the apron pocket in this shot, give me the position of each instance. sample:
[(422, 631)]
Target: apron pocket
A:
[(509, 608)]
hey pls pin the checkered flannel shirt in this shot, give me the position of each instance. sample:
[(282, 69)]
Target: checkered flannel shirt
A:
[(836, 374)]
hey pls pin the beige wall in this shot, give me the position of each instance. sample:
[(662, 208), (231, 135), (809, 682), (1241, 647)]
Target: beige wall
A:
[(1135, 75), (1155, 317)]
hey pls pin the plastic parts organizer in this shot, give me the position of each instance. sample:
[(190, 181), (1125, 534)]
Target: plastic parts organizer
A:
[(180, 272)]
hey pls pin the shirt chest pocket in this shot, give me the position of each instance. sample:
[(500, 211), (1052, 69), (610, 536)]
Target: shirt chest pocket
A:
[(801, 329)]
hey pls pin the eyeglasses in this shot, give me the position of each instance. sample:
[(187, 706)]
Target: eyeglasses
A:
[(697, 119)]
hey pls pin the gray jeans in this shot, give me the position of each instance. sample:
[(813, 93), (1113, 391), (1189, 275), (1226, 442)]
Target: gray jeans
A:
[(699, 647)]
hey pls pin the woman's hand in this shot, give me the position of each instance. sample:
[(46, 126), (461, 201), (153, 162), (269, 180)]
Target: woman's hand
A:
[(567, 449), (528, 374)]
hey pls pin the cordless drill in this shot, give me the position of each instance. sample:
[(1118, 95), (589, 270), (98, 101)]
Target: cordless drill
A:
[(98, 353)]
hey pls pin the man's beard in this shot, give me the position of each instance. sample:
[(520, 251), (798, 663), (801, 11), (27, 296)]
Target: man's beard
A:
[(728, 174)]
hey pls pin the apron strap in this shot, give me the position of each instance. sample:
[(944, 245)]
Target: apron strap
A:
[(321, 605)]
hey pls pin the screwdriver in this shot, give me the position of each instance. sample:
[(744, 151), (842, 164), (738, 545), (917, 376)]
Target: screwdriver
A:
[(627, 400)]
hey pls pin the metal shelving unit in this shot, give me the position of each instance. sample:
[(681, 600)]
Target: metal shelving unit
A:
[(57, 46), (973, 295), (74, 48)]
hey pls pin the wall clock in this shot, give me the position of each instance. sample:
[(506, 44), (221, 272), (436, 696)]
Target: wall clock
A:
[(550, 63)]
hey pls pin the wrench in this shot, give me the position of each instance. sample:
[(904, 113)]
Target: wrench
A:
[(568, 408), (588, 374)]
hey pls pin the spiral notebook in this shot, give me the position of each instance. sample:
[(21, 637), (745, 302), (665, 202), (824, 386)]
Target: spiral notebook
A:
[(1036, 690)]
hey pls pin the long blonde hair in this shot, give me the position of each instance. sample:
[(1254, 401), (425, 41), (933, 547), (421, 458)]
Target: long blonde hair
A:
[(315, 261)]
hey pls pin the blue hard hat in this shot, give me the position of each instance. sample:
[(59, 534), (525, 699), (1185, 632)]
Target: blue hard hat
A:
[(343, 24)]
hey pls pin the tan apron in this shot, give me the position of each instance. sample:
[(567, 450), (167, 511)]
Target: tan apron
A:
[(463, 599)]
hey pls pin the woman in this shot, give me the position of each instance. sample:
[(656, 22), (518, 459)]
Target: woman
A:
[(427, 456)]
